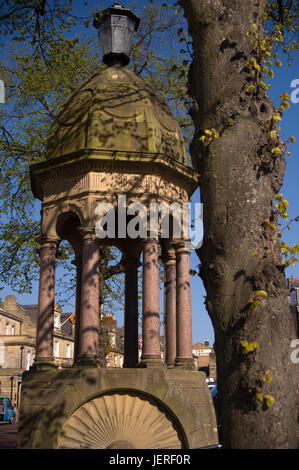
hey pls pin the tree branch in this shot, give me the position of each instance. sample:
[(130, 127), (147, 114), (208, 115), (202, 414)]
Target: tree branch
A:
[(10, 13)]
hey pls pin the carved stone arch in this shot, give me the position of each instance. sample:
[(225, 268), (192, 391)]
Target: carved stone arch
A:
[(79, 208), (67, 227), (52, 213), (121, 419)]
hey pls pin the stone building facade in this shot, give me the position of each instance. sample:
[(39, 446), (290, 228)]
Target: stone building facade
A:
[(111, 341), (18, 339), (17, 343), (205, 359)]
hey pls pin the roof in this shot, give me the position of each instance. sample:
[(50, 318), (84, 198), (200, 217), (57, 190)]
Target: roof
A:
[(10, 315), (114, 110), (67, 327), (31, 310), (293, 282), (202, 346)]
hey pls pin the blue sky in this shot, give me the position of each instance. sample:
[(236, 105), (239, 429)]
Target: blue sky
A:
[(202, 327)]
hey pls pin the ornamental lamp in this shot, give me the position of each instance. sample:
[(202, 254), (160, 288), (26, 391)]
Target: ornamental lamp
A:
[(116, 26)]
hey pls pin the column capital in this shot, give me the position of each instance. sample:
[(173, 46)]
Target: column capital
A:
[(150, 240), (87, 233), (169, 255), (48, 242), (181, 248)]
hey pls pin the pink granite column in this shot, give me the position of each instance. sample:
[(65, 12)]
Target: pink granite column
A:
[(184, 317), (78, 263), (131, 313), (151, 355), (89, 314), (45, 317), (170, 306)]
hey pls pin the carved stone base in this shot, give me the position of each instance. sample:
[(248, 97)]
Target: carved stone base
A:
[(87, 408)]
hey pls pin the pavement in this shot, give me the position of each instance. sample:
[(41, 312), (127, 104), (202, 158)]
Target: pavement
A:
[(8, 436)]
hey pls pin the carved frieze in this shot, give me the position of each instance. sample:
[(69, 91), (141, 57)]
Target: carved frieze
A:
[(113, 183)]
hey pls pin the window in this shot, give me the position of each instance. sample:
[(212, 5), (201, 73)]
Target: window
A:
[(13, 330), (113, 342), (68, 351), (28, 358), (56, 321), (6, 328), (56, 351), (204, 352)]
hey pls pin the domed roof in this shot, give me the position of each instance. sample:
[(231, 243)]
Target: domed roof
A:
[(115, 111)]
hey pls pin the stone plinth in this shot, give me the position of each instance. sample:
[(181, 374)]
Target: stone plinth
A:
[(54, 402)]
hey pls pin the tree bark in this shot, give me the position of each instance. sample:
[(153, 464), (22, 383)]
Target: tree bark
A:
[(239, 178)]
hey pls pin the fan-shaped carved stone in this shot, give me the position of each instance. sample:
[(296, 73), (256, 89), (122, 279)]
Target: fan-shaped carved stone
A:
[(118, 421)]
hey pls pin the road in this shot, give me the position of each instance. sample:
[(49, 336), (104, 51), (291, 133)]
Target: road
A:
[(8, 436)]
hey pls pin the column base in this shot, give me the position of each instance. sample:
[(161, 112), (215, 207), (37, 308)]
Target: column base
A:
[(151, 361), (170, 365), (87, 361), (130, 366), (185, 363), (42, 363)]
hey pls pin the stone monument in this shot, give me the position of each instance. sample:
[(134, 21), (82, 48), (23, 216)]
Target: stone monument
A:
[(114, 136)]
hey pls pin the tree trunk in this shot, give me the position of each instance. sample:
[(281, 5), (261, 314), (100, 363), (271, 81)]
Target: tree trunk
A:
[(239, 177)]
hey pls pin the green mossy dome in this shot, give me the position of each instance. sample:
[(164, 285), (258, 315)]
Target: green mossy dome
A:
[(113, 112)]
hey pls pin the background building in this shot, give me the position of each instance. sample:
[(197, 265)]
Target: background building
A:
[(18, 337), (111, 341), (205, 359), (17, 343)]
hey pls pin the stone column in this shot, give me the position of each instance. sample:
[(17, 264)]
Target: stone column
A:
[(183, 317), (170, 306), (45, 317), (151, 354), (89, 312), (131, 313), (78, 263)]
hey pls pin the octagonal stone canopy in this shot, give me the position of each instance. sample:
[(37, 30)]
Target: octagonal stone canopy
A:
[(113, 135), (115, 110)]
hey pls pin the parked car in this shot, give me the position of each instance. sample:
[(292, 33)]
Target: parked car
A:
[(211, 385), (214, 391), (7, 412)]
